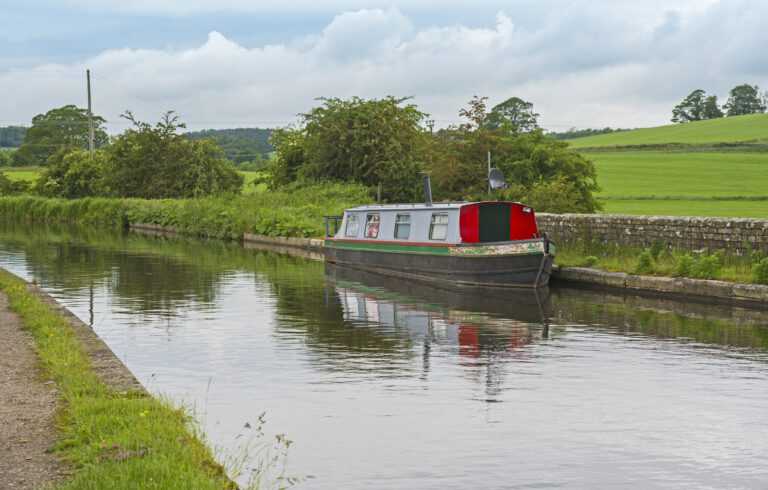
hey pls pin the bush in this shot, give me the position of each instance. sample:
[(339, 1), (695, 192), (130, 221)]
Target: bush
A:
[(684, 266), (760, 272), (155, 162), (73, 174), (707, 267), (9, 187), (644, 263), (590, 261), (656, 248)]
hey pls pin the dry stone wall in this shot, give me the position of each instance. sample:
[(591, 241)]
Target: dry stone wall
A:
[(734, 235)]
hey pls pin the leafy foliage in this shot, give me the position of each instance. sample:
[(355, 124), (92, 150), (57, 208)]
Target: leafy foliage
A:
[(745, 99), (156, 162), (377, 141), (58, 129), (73, 174), (760, 272), (6, 157), (541, 171), (514, 115), (8, 187), (696, 106)]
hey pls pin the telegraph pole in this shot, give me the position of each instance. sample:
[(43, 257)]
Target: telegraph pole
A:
[(91, 131), (488, 175)]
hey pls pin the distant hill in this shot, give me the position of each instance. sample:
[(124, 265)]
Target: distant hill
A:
[(241, 144), (574, 133), (738, 129), (12, 136)]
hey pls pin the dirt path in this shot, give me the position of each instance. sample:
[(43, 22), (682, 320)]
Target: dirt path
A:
[(27, 408)]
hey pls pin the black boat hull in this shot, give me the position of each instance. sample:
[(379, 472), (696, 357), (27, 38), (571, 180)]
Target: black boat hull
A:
[(520, 271)]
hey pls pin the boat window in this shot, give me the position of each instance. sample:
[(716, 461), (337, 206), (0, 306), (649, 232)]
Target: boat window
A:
[(353, 225), (372, 226), (402, 226), (438, 227)]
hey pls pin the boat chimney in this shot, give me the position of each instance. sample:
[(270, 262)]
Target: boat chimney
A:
[(427, 191)]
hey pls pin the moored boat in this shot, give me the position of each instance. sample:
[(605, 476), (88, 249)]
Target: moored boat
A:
[(487, 243)]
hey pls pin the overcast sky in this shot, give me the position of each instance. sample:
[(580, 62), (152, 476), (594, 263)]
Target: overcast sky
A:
[(228, 63)]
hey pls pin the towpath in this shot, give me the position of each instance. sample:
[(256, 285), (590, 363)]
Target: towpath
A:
[(27, 410)]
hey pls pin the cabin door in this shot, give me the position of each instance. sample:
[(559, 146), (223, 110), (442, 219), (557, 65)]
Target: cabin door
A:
[(494, 222)]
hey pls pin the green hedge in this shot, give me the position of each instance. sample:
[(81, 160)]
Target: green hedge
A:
[(292, 212)]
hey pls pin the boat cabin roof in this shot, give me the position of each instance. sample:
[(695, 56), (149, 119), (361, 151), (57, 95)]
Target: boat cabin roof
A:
[(421, 206)]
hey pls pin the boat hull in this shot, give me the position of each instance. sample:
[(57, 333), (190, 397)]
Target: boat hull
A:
[(467, 266)]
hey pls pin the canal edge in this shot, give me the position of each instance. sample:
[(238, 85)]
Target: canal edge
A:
[(105, 363)]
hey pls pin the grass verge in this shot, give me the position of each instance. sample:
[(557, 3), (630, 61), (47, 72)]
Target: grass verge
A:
[(112, 440), (294, 212), (659, 261)]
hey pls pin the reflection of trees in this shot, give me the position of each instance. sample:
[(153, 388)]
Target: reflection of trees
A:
[(663, 318), (146, 283)]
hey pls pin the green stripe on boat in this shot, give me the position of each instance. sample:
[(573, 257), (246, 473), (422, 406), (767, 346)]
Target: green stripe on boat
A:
[(462, 251)]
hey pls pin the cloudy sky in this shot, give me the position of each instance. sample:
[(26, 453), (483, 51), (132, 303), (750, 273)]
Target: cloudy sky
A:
[(228, 63)]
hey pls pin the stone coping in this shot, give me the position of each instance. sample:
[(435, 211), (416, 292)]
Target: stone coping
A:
[(107, 366), (752, 294)]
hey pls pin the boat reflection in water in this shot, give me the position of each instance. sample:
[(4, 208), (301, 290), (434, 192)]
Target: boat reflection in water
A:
[(480, 329)]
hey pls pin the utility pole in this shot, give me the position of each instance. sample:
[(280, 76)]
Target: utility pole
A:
[(91, 131), (488, 175)]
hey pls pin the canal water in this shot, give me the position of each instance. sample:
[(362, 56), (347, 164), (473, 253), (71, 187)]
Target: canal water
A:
[(383, 384)]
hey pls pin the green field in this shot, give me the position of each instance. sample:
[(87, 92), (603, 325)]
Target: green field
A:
[(22, 173), (683, 183), (753, 128), (32, 173)]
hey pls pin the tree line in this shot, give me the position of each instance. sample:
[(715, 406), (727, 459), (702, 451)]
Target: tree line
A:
[(384, 144), (388, 143), (145, 161), (698, 106)]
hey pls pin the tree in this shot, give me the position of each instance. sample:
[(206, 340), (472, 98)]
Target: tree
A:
[(711, 108), (57, 129), (73, 174), (156, 162), (513, 115), (691, 108), (745, 99), (372, 142), (5, 158), (539, 169)]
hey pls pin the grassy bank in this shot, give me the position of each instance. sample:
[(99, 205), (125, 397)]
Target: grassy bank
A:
[(112, 440), (659, 261), (291, 213), (751, 128)]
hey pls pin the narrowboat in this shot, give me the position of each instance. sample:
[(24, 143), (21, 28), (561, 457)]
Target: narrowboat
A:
[(489, 243)]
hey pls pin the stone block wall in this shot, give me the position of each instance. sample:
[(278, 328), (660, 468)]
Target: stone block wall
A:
[(688, 233)]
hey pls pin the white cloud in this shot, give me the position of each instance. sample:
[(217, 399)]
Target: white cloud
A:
[(581, 65)]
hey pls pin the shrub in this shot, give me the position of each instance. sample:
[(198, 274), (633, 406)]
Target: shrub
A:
[(644, 263), (707, 267), (684, 266), (760, 272), (590, 261), (10, 188), (154, 162), (656, 248), (73, 174)]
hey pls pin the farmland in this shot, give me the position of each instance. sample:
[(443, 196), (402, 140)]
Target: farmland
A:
[(740, 129), (708, 168)]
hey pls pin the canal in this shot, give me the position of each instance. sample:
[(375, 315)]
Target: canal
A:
[(385, 384)]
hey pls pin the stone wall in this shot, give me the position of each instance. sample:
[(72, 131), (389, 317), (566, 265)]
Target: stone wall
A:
[(690, 233)]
